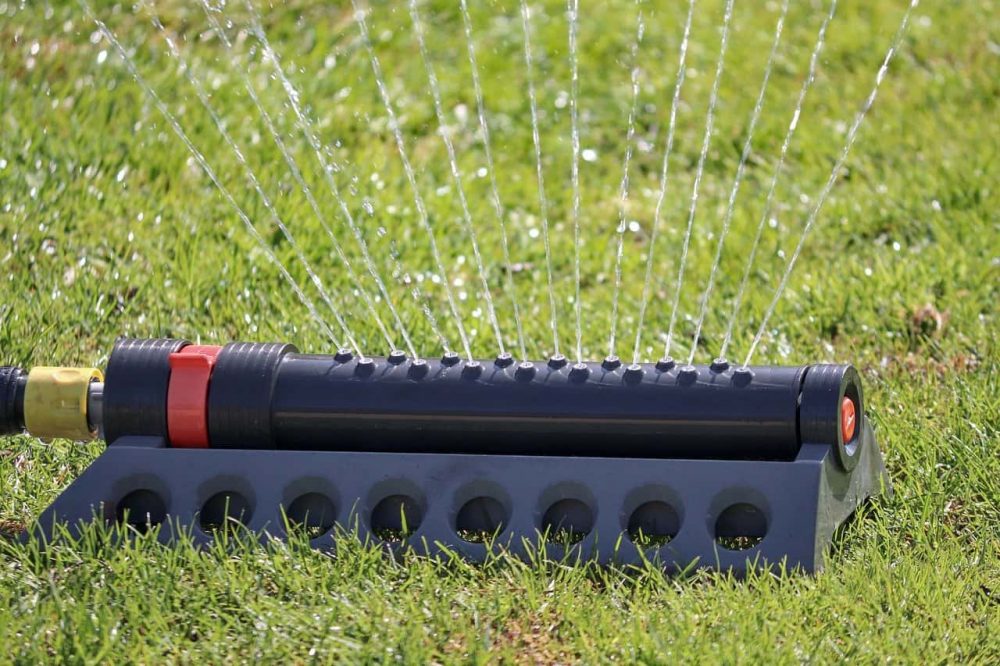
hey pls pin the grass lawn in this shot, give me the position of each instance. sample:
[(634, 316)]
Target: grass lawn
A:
[(108, 227)]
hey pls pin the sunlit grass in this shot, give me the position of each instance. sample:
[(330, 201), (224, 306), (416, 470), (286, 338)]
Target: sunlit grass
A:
[(108, 228)]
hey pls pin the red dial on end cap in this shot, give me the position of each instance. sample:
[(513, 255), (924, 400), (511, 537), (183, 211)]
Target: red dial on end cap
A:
[(187, 395), (848, 419)]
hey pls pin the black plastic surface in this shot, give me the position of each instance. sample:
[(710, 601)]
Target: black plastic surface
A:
[(135, 387), (727, 514), (693, 412), (240, 394), (12, 382), (268, 396), (824, 389)]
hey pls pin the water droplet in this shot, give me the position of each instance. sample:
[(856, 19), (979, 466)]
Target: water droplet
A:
[(589, 155)]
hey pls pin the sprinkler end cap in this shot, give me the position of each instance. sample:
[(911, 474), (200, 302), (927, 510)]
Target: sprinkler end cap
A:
[(848, 419)]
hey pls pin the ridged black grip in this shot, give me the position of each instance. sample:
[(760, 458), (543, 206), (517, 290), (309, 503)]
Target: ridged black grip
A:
[(135, 387), (12, 381), (240, 395)]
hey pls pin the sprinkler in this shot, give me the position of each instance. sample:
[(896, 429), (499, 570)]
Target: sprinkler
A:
[(719, 466)]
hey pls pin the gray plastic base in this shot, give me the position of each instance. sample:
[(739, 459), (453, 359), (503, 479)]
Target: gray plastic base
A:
[(795, 505)]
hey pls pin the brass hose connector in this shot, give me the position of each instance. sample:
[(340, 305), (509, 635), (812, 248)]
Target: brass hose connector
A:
[(55, 402)]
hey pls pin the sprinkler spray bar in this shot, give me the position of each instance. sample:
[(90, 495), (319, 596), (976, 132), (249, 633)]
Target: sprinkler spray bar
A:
[(269, 396), (719, 466)]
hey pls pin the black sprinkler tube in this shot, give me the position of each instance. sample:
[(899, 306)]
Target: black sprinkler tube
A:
[(319, 403), (269, 396)]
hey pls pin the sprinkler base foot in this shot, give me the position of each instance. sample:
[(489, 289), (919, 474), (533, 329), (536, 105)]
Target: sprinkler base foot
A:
[(723, 514)]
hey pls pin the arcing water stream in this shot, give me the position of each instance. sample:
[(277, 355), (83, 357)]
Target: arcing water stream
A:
[(536, 63)]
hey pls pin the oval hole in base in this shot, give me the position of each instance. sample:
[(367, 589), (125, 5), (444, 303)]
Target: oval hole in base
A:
[(396, 517), (141, 509), (568, 521), (653, 524), (312, 513), (224, 510), (742, 526), (480, 520)]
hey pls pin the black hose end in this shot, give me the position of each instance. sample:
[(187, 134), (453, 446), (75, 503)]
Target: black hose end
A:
[(12, 383)]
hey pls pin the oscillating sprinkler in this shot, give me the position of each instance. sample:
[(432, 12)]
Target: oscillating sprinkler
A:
[(716, 465)]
